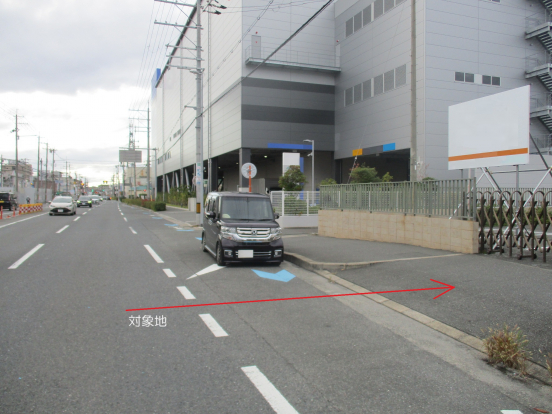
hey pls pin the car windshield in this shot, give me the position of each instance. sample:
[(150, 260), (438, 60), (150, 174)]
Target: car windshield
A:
[(4, 196), (247, 208), (84, 199), (62, 200)]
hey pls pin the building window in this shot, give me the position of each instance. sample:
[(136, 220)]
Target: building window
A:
[(357, 93), (367, 15), (400, 76), (378, 85), (389, 4), (349, 27), (469, 77), (378, 8), (486, 80), (357, 22), (348, 96), (496, 81), (367, 89), (459, 76), (481, 79), (389, 80)]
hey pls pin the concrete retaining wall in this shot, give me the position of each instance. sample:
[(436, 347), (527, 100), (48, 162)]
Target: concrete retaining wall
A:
[(433, 232)]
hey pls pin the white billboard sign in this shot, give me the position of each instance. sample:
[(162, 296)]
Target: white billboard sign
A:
[(289, 159), (490, 131), (130, 156)]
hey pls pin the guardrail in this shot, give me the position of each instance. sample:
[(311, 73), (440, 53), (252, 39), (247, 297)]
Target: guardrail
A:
[(439, 198), (30, 208)]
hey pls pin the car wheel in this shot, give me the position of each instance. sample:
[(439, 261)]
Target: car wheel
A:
[(51, 214), (220, 255), (203, 248)]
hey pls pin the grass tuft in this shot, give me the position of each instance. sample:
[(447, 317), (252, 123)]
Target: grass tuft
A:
[(508, 346)]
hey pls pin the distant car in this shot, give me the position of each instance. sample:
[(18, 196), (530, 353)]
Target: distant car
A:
[(8, 201), (95, 199), (84, 201), (63, 205)]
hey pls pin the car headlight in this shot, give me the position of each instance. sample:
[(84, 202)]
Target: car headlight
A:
[(275, 233), (227, 232)]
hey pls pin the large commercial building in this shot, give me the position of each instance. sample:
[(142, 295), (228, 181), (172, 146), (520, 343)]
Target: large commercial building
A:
[(345, 82)]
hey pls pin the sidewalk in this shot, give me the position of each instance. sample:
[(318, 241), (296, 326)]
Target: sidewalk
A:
[(488, 291)]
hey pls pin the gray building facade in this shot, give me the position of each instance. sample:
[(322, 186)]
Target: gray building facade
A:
[(345, 82)]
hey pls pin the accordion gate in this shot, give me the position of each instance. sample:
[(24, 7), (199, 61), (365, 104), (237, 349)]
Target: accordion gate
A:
[(515, 223)]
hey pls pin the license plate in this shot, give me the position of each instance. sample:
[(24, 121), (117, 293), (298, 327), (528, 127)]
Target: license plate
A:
[(245, 254), (60, 210)]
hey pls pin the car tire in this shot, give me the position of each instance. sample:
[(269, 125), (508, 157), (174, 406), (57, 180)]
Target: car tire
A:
[(203, 248), (220, 255), (51, 214)]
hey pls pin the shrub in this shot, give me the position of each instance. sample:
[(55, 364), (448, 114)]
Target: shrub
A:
[(158, 206), (293, 179), (328, 181), (507, 346)]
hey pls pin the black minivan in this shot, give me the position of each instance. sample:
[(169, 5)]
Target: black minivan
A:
[(241, 227)]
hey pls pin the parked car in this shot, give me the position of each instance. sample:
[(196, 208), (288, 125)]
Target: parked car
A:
[(241, 227), (8, 201), (63, 205), (84, 201)]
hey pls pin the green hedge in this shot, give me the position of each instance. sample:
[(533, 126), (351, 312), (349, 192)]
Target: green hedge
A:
[(152, 205)]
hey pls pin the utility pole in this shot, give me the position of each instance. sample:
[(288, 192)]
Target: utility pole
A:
[(38, 172), (199, 121), (413, 109), (16, 130), (46, 174), (53, 151), (148, 163), (132, 146), (66, 178)]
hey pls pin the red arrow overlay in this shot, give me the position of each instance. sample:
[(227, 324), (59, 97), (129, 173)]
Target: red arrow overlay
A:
[(447, 287)]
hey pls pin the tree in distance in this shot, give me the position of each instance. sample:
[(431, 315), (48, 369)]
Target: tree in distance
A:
[(363, 174), (293, 179)]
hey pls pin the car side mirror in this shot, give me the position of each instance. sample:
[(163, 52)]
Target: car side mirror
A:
[(276, 216), (211, 214)]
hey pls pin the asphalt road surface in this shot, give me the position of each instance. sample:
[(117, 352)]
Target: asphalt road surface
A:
[(68, 345)]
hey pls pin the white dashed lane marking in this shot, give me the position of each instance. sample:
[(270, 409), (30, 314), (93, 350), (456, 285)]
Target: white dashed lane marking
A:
[(20, 261), (132, 230), (186, 293), (125, 219), (77, 219), (213, 325), (153, 254), (63, 228), (271, 394), (169, 272)]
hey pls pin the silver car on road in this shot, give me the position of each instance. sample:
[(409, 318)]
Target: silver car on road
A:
[(63, 205)]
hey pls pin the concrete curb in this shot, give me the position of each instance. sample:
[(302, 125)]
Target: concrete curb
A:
[(534, 370)]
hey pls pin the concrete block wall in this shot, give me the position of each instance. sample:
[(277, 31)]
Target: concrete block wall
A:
[(433, 232)]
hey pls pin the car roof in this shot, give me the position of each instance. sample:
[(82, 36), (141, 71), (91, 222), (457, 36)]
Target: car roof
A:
[(237, 194)]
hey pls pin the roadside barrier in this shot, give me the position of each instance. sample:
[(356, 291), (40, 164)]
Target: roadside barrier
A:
[(29, 208)]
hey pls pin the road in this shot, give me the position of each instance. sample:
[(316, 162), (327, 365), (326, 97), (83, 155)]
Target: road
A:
[(67, 344)]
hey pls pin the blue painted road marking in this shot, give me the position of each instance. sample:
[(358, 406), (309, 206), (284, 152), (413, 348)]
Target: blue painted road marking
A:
[(183, 230), (172, 225), (282, 275), (199, 238), (159, 218)]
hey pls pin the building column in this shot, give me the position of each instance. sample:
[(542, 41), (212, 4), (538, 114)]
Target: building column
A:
[(213, 174), (245, 156), (338, 171)]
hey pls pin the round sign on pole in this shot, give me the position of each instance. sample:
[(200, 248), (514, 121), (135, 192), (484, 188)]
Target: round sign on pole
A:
[(245, 170)]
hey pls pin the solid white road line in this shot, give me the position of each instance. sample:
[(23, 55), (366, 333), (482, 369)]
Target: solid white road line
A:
[(213, 325), (153, 254), (19, 221), (208, 269), (271, 394), (125, 219), (77, 219), (63, 228), (132, 230), (169, 272), (86, 212), (122, 214), (186, 293), (18, 263), (511, 412)]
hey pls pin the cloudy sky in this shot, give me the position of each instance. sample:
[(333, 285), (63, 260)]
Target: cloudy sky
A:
[(72, 70)]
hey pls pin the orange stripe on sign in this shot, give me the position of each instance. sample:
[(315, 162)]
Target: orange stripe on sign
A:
[(490, 154), (357, 152)]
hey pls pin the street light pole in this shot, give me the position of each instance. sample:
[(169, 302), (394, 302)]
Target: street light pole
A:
[(199, 122), (312, 155)]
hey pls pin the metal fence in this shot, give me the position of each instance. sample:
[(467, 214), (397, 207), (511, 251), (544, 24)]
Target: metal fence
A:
[(515, 223), (295, 203), (443, 198)]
